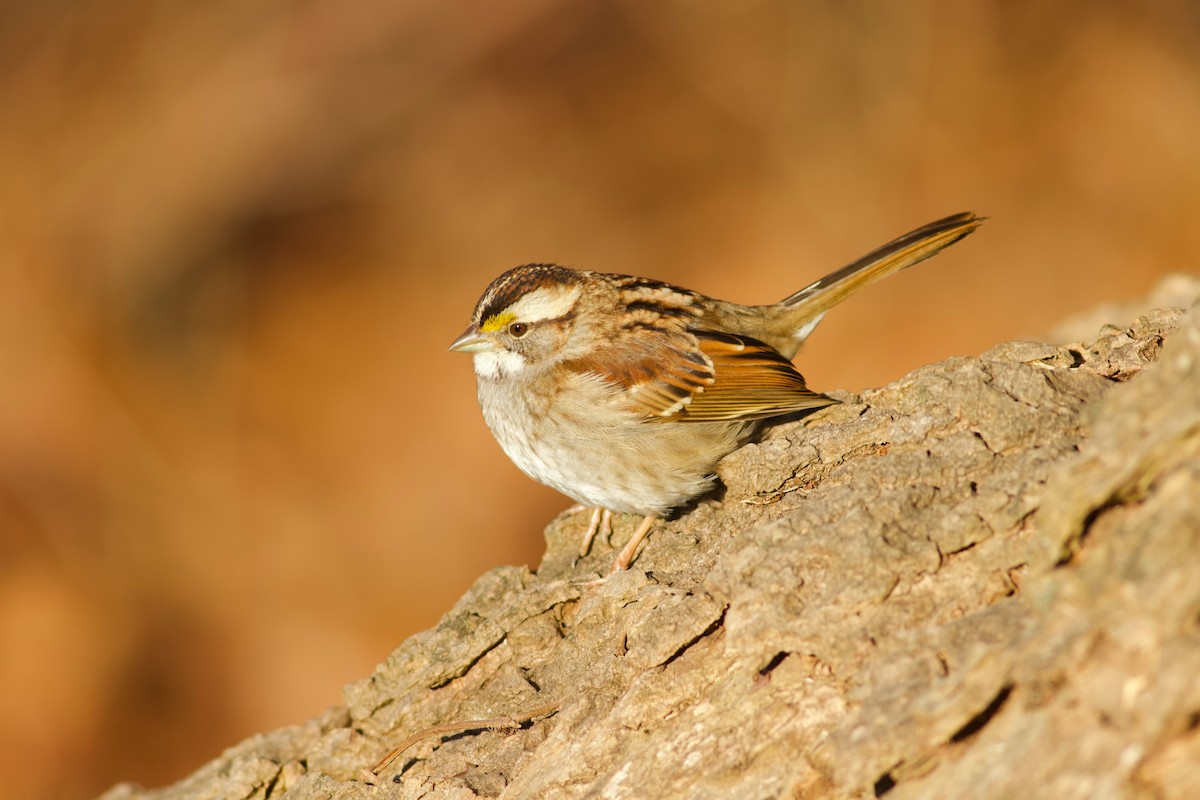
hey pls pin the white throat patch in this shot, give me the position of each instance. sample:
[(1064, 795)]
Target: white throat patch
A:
[(495, 363)]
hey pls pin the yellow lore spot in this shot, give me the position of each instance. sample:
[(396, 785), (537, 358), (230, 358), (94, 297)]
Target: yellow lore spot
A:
[(497, 321)]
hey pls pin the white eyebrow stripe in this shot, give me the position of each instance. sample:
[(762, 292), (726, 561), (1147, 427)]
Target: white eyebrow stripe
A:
[(547, 302)]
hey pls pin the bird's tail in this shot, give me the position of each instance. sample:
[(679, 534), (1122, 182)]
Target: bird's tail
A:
[(807, 306)]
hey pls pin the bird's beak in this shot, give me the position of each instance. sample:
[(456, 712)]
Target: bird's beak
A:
[(471, 341)]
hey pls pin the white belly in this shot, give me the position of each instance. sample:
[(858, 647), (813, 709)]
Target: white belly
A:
[(600, 457)]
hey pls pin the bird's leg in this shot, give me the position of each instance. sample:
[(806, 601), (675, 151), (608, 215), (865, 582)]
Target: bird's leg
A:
[(601, 521), (627, 552)]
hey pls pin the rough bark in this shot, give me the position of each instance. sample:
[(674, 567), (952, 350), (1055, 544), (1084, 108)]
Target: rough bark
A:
[(980, 581)]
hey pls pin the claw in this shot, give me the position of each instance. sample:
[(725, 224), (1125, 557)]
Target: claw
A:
[(601, 522), (630, 549)]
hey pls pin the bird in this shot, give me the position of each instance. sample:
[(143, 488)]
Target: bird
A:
[(623, 392)]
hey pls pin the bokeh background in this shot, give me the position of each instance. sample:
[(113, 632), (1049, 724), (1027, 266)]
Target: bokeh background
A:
[(237, 464)]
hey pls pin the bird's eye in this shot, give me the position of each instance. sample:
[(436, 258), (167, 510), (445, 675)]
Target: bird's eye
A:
[(518, 329)]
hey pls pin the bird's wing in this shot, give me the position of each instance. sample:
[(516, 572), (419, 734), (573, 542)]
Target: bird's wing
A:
[(687, 375)]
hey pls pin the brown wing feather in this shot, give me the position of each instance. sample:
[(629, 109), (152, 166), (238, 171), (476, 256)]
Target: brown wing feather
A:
[(703, 376), (662, 376), (753, 381)]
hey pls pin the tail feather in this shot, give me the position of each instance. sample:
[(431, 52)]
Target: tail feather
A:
[(810, 303)]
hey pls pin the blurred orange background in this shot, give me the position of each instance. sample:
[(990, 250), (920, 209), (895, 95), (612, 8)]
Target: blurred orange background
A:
[(237, 464)]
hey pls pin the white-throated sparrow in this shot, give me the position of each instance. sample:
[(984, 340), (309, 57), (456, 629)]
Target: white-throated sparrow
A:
[(623, 393)]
